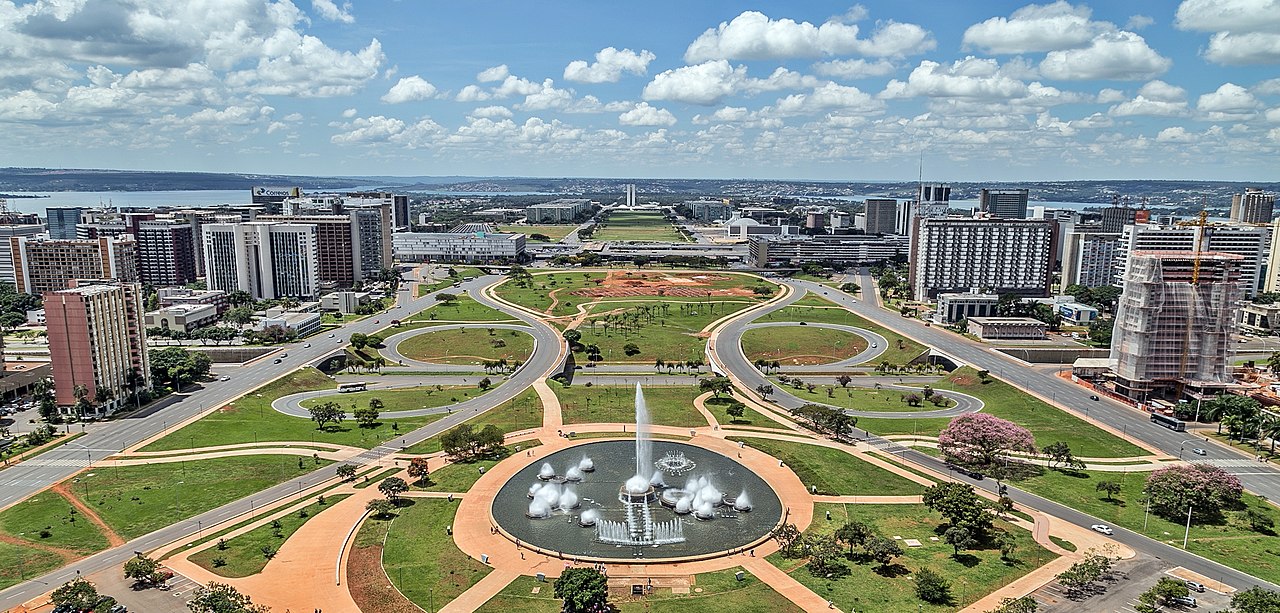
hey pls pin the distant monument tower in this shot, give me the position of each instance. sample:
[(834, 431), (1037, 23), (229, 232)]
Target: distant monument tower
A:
[(631, 194)]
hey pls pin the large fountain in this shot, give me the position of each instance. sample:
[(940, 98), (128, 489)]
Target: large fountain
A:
[(609, 501)]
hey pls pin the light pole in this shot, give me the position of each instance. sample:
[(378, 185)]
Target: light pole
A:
[(1188, 531)]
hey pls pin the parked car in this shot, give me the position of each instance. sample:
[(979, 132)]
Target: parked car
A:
[(1102, 529), (1186, 601), (1194, 586)]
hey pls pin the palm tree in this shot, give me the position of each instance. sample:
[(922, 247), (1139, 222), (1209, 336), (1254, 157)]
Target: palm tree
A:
[(1271, 428)]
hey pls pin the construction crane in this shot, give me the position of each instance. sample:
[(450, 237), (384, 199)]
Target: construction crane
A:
[(1201, 224), (1195, 266)]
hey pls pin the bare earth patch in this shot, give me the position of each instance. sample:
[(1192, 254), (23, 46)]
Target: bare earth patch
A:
[(369, 585), (627, 284)]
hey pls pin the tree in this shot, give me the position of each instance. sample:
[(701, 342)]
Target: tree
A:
[(984, 376), (143, 570), (960, 538), (788, 537), (347, 472), (960, 505), (844, 380), (1007, 543), (932, 587), (359, 341), (43, 395), (379, 507), (326, 413), (980, 439), (76, 595), (418, 470), (824, 555), (851, 288), (882, 550), (1256, 600), (716, 385), (1259, 522), (762, 290), (1229, 408), (239, 316), (366, 417), (1204, 488), (446, 299), (484, 383), (854, 534), (1109, 487), (631, 349), (1025, 604), (735, 410), (584, 590), (1162, 594), (1100, 331), (572, 336), (239, 298), (392, 487), (178, 366), (222, 598), (1060, 455), (765, 390)]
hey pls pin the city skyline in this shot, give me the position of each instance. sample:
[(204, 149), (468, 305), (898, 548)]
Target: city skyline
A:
[(1003, 91)]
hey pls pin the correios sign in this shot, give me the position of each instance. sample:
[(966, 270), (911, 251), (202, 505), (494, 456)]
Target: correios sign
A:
[(277, 192)]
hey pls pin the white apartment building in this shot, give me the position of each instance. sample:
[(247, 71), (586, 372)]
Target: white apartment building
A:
[(268, 260), (1089, 258), (1249, 241), (953, 254), (457, 246)]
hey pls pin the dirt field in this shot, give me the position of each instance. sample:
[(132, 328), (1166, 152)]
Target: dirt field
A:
[(629, 284)]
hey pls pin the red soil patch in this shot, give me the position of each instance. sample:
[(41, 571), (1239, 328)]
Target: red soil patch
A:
[(113, 539), (627, 284), (369, 585), (68, 556)]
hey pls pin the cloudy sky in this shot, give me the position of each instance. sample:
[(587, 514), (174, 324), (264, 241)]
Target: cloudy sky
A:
[(805, 89)]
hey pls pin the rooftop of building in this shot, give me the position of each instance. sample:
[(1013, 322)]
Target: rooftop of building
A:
[(181, 309), (1007, 321)]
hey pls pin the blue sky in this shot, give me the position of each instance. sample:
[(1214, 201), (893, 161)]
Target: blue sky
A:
[(813, 90)]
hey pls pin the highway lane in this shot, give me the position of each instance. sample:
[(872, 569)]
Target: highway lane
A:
[(116, 435)]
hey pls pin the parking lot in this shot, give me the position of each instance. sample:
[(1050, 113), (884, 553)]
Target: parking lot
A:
[(153, 600), (1120, 595)]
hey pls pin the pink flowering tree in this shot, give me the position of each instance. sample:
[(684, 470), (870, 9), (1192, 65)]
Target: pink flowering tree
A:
[(1203, 488), (979, 439)]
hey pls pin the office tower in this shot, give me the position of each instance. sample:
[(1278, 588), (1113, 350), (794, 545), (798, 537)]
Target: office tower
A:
[(401, 206), (6, 248), (1089, 258), (1117, 216), (41, 266), (1004, 203), (993, 255), (564, 210), (266, 259), (1250, 241), (374, 224), (63, 221), (166, 252), (459, 247), (1253, 206), (631, 194), (97, 340), (338, 247), (1174, 323), (934, 200), (881, 215)]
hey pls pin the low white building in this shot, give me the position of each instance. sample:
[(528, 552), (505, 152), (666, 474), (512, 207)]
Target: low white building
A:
[(953, 306), (1007, 328), (302, 323), (1260, 317), (343, 302), (185, 317), (457, 247), (1077, 314)]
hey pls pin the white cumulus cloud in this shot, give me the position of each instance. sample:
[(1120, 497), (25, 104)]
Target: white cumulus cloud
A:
[(706, 83), (494, 73), (752, 35), (609, 65), (968, 78), (409, 89), (854, 69), (331, 11), (645, 115), (1036, 27), (1245, 31), (1229, 102), (1111, 55)]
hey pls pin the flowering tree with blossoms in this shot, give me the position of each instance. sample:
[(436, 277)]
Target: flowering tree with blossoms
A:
[(979, 439), (1203, 488)]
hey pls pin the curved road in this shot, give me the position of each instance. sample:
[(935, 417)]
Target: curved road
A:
[(876, 344), (392, 343)]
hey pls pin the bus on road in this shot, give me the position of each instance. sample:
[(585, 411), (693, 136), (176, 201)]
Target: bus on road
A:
[(1171, 423), (352, 387)]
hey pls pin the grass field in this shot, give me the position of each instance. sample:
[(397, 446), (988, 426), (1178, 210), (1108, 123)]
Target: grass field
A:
[(243, 554), (834, 472), (460, 476), (1231, 543), (463, 346), (51, 513), (750, 416), (19, 563), (720, 592), (421, 559), (853, 397), (669, 334), (407, 399), (637, 227), (668, 405), (535, 294), (555, 233), (900, 350), (463, 309), (251, 419), (974, 575), (520, 413), (801, 345)]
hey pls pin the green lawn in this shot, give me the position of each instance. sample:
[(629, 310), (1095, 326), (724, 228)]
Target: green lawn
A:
[(406, 399), (973, 576), (421, 559), (801, 344), (835, 472), (19, 563), (47, 512), (900, 350), (828, 391), (721, 592), (463, 346), (750, 416), (669, 333), (535, 294), (243, 555), (637, 227), (462, 309), (251, 419), (555, 233), (1231, 543), (668, 405), (460, 476), (520, 413)]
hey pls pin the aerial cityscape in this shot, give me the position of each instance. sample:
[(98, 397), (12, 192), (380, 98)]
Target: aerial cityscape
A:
[(309, 305)]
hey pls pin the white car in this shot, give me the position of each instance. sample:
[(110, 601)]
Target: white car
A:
[(1102, 529), (224, 378)]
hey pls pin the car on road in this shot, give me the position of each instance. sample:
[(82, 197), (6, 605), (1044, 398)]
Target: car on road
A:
[(307, 346), (284, 355), (277, 361), (330, 335), (1199, 451), (224, 378), (1194, 586), (875, 345), (1102, 529), (1093, 397)]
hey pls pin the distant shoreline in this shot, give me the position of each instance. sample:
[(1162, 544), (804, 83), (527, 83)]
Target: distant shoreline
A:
[(14, 196)]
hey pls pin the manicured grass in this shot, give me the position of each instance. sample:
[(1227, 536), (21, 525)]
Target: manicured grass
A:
[(460, 476), (47, 511), (721, 592), (668, 405), (750, 416), (251, 419), (520, 413), (462, 309), (669, 334), (975, 575), (834, 472), (421, 559), (801, 344), (828, 391), (468, 346), (136, 500), (406, 399), (243, 554), (554, 233), (899, 351), (637, 227), (1232, 543), (19, 563), (535, 294)]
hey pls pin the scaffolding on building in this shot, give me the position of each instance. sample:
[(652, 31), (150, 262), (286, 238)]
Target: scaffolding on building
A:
[(1174, 323)]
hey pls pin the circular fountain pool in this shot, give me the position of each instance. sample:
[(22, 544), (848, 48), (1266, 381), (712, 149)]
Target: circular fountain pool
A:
[(718, 505)]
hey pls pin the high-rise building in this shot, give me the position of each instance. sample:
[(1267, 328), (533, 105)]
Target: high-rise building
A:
[(1117, 216), (881, 215), (934, 199), (1089, 258), (268, 260), (951, 254), (166, 252), (6, 248), (41, 266), (1250, 241), (1253, 206), (338, 247), (459, 246), (63, 221), (631, 194), (97, 340), (1004, 203), (401, 208), (1174, 323), (373, 222)]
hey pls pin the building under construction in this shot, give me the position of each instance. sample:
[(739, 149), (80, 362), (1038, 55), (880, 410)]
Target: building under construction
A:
[(1174, 322)]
